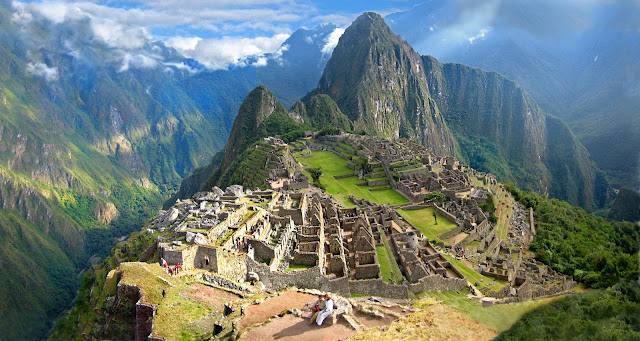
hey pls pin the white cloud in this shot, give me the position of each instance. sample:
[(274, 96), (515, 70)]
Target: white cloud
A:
[(481, 35), (262, 61), (42, 70), (120, 36), (183, 43), (220, 53), (308, 40), (137, 61), (277, 54), (331, 41), (194, 26)]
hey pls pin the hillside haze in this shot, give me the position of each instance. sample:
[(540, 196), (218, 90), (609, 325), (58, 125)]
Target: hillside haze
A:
[(578, 61)]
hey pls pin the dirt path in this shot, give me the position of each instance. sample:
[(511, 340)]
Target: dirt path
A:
[(273, 306), (294, 328)]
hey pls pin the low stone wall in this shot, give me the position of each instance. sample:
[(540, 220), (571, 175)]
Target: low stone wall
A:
[(454, 231), (378, 182), (416, 207), (446, 214), (226, 283), (343, 176), (379, 189), (377, 287), (437, 283), (311, 278)]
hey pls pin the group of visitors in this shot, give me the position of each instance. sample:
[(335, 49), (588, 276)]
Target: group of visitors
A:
[(171, 270)]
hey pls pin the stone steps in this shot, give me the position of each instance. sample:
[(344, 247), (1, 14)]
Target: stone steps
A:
[(353, 322)]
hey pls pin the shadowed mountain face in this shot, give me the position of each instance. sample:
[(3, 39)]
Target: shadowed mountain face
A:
[(578, 61)]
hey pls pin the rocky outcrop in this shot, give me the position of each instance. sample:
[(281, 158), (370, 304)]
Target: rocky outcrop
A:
[(105, 212)]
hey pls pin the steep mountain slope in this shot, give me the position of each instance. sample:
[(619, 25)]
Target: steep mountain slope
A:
[(376, 79), (375, 82), (580, 65), (320, 111), (502, 130), (626, 207), (385, 87), (260, 115)]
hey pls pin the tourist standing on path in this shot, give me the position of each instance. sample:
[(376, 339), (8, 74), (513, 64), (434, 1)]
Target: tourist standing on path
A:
[(326, 312)]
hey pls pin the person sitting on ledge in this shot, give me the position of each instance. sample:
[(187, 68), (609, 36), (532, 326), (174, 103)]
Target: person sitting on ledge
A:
[(315, 307), (326, 312)]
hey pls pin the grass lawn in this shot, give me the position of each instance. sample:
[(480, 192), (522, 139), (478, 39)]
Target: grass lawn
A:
[(503, 212), (388, 275), (331, 165), (388, 266), (423, 220), (499, 316), (295, 267)]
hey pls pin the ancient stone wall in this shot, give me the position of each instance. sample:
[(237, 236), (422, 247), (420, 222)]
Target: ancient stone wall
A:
[(206, 258), (144, 320), (226, 283), (261, 251), (377, 287), (311, 278), (446, 214), (454, 231), (367, 271), (232, 265), (144, 312)]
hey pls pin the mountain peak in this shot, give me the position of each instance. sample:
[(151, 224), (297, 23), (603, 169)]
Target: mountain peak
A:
[(377, 80), (259, 104)]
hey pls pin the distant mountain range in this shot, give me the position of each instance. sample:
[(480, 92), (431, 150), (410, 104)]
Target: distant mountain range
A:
[(581, 66)]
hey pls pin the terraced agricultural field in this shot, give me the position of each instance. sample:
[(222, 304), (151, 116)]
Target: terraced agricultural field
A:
[(423, 220), (333, 165)]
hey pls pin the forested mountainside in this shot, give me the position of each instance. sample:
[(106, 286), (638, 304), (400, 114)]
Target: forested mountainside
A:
[(581, 67), (375, 83), (92, 142)]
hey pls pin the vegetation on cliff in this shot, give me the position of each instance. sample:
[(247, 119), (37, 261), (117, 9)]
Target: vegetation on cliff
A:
[(626, 207), (594, 251), (608, 314)]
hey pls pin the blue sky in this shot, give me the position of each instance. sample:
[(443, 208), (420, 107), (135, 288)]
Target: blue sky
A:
[(217, 32)]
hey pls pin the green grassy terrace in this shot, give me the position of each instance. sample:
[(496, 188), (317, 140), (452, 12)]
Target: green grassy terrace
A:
[(423, 220), (499, 316), (332, 165)]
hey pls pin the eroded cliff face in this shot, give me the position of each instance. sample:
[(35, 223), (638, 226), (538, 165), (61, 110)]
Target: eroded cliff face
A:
[(378, 81), (501, 129)]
